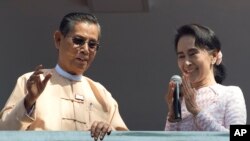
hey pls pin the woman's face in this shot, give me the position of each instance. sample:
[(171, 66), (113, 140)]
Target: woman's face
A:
[(195, 62)]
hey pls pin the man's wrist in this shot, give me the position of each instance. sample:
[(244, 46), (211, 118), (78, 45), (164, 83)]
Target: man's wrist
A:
[(28, 104)]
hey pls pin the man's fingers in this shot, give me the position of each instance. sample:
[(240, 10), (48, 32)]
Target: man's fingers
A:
[(35, 76), (98, 129), (104, 131), (93, 128), (38, 67), (46, 79), (38, 70), (109, 130)]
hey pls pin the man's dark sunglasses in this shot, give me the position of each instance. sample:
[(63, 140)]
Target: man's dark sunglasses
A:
[(79, 41)]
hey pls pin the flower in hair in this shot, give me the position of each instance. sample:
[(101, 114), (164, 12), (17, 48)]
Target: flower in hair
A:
[(219, 58)]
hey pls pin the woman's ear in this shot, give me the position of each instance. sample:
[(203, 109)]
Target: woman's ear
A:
[(57, 39), (214, 57)]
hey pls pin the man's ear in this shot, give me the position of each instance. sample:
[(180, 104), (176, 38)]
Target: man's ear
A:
[(57, 39)]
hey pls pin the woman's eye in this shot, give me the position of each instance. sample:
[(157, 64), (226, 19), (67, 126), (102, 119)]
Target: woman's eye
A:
[(192, 53), (181, 56)]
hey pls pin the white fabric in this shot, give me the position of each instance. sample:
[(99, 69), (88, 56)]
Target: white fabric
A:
[(221, 107)]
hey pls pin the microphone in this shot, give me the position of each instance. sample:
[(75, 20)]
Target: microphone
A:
[(176, 97)]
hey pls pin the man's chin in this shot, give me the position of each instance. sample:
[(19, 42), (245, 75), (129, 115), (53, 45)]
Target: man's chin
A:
[(79, 70)]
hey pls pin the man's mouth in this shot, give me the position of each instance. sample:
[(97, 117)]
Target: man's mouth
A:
[(82, 59)]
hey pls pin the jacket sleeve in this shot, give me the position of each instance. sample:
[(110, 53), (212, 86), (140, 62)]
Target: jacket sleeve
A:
[(14, 115), (235, 112), (116, 120), (109, 104)]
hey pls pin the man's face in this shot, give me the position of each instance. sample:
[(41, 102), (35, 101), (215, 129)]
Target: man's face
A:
[(75, 52)]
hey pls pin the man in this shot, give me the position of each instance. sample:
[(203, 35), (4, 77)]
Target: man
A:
[(62, 98)]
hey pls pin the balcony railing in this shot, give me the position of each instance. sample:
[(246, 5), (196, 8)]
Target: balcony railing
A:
[(115, 136)]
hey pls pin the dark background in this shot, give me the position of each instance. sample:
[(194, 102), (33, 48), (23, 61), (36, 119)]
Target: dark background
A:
[(137, 56)]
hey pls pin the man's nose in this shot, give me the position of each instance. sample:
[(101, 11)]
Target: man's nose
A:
[(84, 48)]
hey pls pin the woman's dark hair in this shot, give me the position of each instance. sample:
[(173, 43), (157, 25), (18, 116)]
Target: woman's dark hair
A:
[(71, 19), (204, 38)]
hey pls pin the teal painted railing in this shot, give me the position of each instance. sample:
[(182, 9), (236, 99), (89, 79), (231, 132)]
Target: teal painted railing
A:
[(115, 136)]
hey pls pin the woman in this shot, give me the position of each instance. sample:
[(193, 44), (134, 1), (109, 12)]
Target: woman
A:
[(206, 104)]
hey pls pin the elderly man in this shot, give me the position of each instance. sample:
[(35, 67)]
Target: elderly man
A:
[(62, 98)]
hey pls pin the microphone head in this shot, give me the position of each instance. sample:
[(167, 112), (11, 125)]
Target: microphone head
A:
[(176, 79)]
